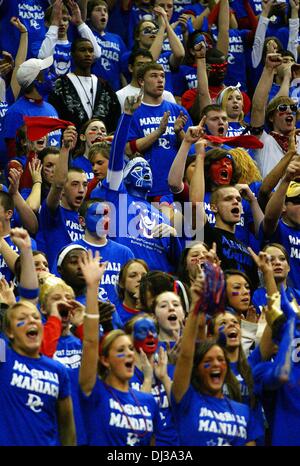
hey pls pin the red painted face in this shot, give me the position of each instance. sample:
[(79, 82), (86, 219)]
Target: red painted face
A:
[(220, 171)]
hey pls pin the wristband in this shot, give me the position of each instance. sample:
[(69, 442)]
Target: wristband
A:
[(133, 146), (28, 293), (37, 182), (92, 316)]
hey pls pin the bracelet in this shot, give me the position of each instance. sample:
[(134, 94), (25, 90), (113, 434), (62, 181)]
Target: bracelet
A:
[(38, 182), (24, 32), (29, 293), (92, 316)]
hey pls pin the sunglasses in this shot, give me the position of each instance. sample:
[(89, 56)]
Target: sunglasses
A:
[(149, 31), (284, 107)]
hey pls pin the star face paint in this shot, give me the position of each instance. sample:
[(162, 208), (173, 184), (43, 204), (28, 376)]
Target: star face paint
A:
[(145, 336), (140, 176), (97, 219), (221, 171)]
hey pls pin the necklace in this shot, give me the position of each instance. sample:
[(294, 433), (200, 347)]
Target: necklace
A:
[(89, 101), (137, 403)]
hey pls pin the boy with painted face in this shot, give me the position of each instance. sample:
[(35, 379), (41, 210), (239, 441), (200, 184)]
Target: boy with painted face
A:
[(143, 228), (152, 373), (95, 219)]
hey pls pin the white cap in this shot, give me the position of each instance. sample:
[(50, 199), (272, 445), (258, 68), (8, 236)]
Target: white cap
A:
[(66, 251), (29, 69)]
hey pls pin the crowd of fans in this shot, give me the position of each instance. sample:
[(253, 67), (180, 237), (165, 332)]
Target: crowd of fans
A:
[(149, 222)]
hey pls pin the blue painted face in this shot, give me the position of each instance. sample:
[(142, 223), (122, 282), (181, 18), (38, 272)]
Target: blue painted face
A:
[(145, 336), (97, 219), (140, 176)]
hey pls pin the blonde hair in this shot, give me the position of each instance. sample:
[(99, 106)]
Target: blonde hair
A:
[(49, 285), (249, 171), (223, 100)]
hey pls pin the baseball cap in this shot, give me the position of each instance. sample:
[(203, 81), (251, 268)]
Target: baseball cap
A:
[(63, 253), (29, 69)]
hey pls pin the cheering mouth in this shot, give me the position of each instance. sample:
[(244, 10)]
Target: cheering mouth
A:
[(221, 130)]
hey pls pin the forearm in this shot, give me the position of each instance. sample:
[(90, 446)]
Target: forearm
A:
[(61, 169), (8, 254), (223, 27), (260, 97), (176, 47), (197, 185), (203, 90), (274, 208), (34, 198), (284, 88), (143, 144), (176, 173), (20, 58), (156, 47), (198, 21), (27, 216), (259, 39), (293, 35), (49, 43), (270, 283), (257, 215), (66, 424), (28, 277), (273, 178)]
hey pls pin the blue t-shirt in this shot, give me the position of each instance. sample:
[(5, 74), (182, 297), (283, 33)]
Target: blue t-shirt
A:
[(125, 313), (184, 79), (57, 229), (68, 352), (82, 162), (31, 13), (108, 66), (61, 60), (289, 238), (116, 255), (204, 420), (115, 418), (30, 389), (132, 226), (28, 107), (161, 154)]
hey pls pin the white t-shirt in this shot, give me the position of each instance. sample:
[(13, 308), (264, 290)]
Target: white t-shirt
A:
[(267, 157), (130, 90)]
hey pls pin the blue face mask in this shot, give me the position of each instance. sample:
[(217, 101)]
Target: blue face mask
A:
[(140, 177), (44, 88), (97, 219)]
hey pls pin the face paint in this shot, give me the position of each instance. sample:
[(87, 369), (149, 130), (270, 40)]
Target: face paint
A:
[(20, 324), (140, 176), (145, 336), (220, 171), (235, 293), (97, 219), (206, 365), (121, 355)]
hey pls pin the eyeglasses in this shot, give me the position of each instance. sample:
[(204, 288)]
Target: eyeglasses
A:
[(149, 31), (283, 108)]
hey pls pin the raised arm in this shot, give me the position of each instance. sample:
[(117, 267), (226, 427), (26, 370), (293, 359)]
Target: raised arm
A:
[(92, 271), (203, 97), (34, 198), (175, 43), (223, 27), (61, 169), (257, 213), (184, 363), (197, 186), (176, 173), (27, 216), (294, 28), (273, 178), (28, 286), (21, 54), (260, 33), (260, 98), (83, 28), (284, 89), (276, 203), (51, 37)]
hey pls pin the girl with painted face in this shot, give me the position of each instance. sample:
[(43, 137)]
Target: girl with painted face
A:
[(115, 414), (197, 395), (238, 292), (92, 131), (152, 374), (45, 405), (129, 288)]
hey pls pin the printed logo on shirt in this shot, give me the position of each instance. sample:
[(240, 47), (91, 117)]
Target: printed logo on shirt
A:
[(33, 13), (38, 381), (224, 423), (132, 439), (35, 403)]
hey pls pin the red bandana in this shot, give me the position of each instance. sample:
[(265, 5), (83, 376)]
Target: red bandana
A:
[(247, 141), (37, 127), (282, 140)]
